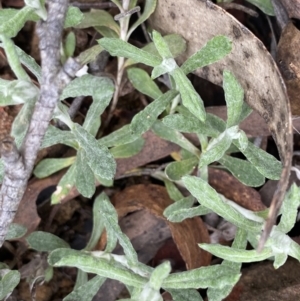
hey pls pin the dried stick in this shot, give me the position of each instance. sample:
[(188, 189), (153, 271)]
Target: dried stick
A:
[(19, 163)]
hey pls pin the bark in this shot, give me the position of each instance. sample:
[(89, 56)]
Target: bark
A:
[(19, 163)]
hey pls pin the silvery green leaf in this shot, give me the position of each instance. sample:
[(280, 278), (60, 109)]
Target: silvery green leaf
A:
[(64, 186), (21, 122), (147, 293), (185, 295), (246, 111), (86, 291), (99, 158), (173, 192), (242, 141), (215, 276), (73, 17), (15, 92), (294, 249), (217, 147), (45, 242), (117, 47), (169, 134), (117, 3), (54, 136), (289, 209), (69, 45), (209, 198), (143, 121), (84, 179), (119, 137), (189, 124), (243, 170), (81, 279), (129, 149), (166, 66), (265, 163), (101, 99), (237, 255), (61, 113), (265, 5), (215, 122), (234, 96), (91, 263), (143, 83), (15, 231), (240, 242), (48, 167), (159, 274), (280, 260), (190, 98), (98, 225), (161, 45), (149, 8), (176, 170), (107, 32), (38, 7), (13, 20), (176, 44), (183, 209), (87, 85), (89, 54), (214, 50), (110, 219), (9, 280), (99, 18)]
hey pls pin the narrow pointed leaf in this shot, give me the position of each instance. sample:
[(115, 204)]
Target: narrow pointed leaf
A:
[(234, 96), (119, 137), (104, 266), (265, 163), (64, 186), (212, 276), (143, 83), (48, 167), (217, 147), (129, 149), (176, 170), (176, 44), (86, 291), (214, 50), (174, 136), (161, 45), (15, 231), (117, 47), (45, 242), (99, 158), (185, 295), (99, 18), (8, 282), (85, 179), (208, 197), (289, 209), (173, 192), (237, 255), (143, 121), (190, 98), (243, 170), (149, 8)]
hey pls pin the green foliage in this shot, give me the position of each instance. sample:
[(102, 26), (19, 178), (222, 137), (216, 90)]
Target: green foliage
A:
[(172, 112)]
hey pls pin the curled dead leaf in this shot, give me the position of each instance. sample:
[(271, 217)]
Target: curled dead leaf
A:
[(186, 234)]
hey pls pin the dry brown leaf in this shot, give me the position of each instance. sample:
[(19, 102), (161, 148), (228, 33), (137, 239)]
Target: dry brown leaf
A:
[(288, 60), (292, 7), (200, 20), (186, 234), (234, 190)]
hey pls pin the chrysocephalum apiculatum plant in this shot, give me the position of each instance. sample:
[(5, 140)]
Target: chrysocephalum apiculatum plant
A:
[(179, 110)]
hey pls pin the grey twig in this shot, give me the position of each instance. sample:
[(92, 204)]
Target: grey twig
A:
[(19, 163)]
